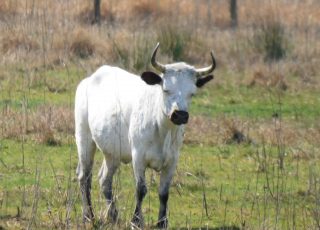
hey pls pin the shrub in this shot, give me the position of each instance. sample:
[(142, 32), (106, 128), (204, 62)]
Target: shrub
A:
[(174, 40), (142, 53), (270, 38), (134, 55), (81, 45)]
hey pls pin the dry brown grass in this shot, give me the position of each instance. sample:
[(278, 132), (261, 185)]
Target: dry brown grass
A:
[(268, 79), (12, 123), (297, 13), (48, 33), (8, 9), (146, 9), (82, 45), (85, 14), (51, 124), (46, 125), (213, 131), (226, 130), (16, 41), (56, 30)]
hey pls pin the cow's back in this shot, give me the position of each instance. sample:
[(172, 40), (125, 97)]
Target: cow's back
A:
[(111, 95)]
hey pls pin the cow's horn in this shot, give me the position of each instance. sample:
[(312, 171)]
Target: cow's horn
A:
[(158, 66), (209, 69)]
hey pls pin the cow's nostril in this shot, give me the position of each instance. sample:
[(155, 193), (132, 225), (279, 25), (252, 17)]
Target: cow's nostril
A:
[(174, 115)]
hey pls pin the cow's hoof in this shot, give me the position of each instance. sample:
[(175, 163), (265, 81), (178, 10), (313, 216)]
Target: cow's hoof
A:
[(88, 217), (162, 223), (113, 214), (137, 222)]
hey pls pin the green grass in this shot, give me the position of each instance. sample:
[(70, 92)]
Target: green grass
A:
[(54, 87), (215, 186), (236, 192), (256, 102), (240, 100)]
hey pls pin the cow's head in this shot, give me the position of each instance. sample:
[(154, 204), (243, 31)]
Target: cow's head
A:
[(179, 82)]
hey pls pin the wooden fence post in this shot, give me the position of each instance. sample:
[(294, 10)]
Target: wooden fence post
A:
[(233, 13), (97, 14)]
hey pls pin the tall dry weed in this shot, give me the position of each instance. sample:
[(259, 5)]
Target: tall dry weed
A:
[(45, 125), (146, 9), (268, 79), (186, 30), (12, 123), (14, 41), (8, 9)]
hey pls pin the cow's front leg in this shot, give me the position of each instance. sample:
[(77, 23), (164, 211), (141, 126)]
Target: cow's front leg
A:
[(165, 181), (141, 191)]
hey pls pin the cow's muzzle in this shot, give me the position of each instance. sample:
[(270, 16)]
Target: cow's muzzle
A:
[(179, 117)]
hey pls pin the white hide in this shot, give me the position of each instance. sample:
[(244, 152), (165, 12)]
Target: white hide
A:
[(133, 118), (127, 118)]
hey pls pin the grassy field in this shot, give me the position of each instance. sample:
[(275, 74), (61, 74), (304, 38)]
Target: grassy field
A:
[(251, 154)]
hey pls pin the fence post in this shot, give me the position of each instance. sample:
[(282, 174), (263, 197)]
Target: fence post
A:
[(97, 16), (233, 13)]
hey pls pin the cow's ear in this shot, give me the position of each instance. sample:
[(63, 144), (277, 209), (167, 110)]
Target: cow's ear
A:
[(151, 78), (202, 81)]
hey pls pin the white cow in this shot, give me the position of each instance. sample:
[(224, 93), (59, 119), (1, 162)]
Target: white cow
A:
[(138, 119)]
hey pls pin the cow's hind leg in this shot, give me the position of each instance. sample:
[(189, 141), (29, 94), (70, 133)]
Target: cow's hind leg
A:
[(86, 149), (106, 173)]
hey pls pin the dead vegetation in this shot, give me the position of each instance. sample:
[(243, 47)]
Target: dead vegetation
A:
[(175, 23), (15, 41), (51, 124), (145, 9), (268, 79), (47, 125), (223, 130), (230, 130), (82, 46), (56, 34), (49, 35), (8, 10), (85, 14)]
